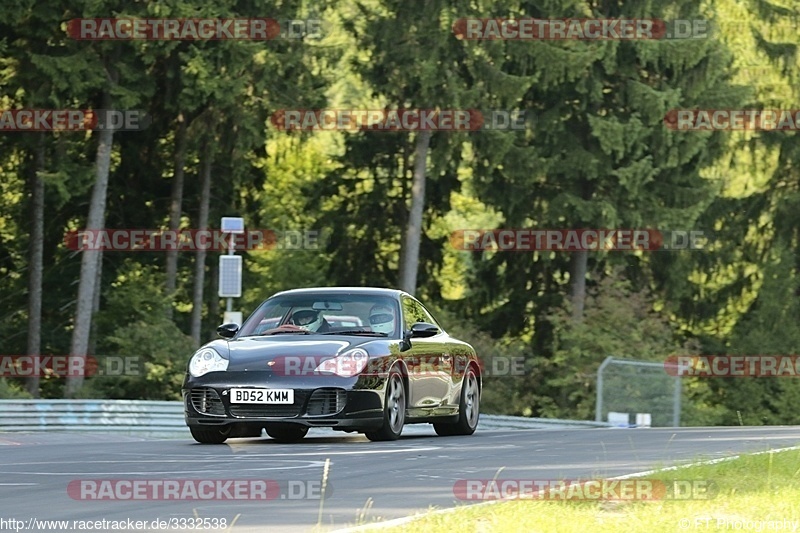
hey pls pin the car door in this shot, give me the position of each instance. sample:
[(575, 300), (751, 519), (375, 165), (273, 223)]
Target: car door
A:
[(428, 362)]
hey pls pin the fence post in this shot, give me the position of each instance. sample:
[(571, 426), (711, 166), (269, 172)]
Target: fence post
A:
[(598, 411), (676, 403)]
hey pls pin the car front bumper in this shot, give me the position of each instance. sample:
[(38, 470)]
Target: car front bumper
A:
[(335, 402)]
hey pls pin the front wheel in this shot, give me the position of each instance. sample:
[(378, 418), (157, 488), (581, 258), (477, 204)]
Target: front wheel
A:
[(286, 432), (394, 410), (468, 409), (211, 435)]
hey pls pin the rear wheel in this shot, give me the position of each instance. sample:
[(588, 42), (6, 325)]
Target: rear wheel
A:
[(287, 432), (468, 409), (211, 435), (394, 410)]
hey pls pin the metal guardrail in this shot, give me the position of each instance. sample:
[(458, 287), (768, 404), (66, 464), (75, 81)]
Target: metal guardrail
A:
[(132, 416), (523, 422), (152, 417)]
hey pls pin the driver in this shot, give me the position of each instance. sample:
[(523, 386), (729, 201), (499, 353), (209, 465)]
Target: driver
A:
[(381, 319), (310, 319)]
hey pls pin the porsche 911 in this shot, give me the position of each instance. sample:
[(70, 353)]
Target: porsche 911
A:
[(358, 360)]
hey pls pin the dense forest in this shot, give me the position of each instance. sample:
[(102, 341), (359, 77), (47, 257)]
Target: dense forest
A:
[(595, 151)]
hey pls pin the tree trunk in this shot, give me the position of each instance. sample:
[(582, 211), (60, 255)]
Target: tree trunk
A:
[(90, 259), (213, 306), (98, 279), (577, 281), (410, 264), (200, 257), (580, 259), (176, 208), (35, 262), (403, 221)]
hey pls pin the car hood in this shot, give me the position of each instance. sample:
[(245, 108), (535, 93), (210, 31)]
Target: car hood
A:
[(251, 353)]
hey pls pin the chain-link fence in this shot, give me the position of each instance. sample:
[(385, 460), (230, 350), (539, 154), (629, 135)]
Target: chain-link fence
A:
[(627, 386)]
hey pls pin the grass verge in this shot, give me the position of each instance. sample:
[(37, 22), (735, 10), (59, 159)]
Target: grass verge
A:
[(751, 493)]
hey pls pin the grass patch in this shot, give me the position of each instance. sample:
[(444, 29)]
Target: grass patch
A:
[(750, 493)]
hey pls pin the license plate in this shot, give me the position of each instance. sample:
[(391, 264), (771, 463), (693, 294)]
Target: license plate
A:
[(279, 396)]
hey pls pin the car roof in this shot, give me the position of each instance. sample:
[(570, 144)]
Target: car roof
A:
[(345, 290)]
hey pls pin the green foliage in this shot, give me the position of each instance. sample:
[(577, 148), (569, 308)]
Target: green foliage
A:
[(291, 164), (405, 58), (132, 326), (770, 327), (620, 322), (503, 390), (596, 154), (158, 353), (12, 391)]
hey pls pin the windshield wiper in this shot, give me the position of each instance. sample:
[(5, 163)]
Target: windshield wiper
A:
[(356, 332)]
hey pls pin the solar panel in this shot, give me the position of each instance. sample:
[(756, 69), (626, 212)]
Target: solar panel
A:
[(230, 276)]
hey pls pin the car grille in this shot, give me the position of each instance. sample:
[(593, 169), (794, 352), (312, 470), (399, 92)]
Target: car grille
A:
[(277, 410), (326, 402), (207, 401)]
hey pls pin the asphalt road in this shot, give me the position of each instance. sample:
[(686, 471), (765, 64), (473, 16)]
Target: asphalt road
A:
[(40, 474)]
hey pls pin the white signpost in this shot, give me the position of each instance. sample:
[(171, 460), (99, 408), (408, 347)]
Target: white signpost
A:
[(230, 271)]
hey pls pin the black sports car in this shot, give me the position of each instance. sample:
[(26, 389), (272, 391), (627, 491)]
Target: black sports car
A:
[(352, 359)]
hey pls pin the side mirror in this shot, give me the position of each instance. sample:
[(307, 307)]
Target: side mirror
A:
[(424, 329), (405, 344), (227, 331)]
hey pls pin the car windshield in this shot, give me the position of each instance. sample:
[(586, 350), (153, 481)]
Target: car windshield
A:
[(325, 313)]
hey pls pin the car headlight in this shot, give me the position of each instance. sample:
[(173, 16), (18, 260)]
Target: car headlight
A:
[(347, 364), (206, 360)]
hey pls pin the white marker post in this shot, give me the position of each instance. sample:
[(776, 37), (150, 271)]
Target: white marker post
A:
[(230, 270)]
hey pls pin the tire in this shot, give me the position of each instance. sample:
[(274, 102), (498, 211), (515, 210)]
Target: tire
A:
[(287, 432), (468, 409), (211, 435), (394, 410)]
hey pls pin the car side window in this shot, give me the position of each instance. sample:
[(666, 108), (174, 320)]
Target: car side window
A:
[(429, 316), (414, 312)]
